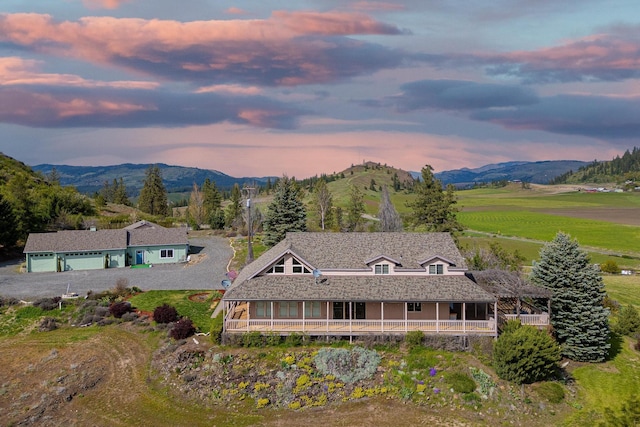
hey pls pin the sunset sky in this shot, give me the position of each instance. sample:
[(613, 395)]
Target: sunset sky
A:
[(259, 88)]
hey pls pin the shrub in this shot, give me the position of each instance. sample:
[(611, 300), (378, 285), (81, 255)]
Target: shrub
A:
[(130, 316), (182, 329), (294, 340), (252, 339), (7, 301), (165, 314), (610, 266), (460, 382), (216, 329), (628, 321), (347, 365), (47, 304), (524, 354), (414, 339), (118, 309), (550, 391)]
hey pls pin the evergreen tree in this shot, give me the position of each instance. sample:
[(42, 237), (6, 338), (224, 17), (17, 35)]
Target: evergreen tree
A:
[(286, 212), (578, 315), (524, 354), (322, 203), (355, 209), (54, 176), (387, 214), (153, 196), (212, 202), (8, 224), (233, 215), (434, 208), (120, 194)]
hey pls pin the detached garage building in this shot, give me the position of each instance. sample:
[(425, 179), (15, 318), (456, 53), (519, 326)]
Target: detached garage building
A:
[(97, 249)]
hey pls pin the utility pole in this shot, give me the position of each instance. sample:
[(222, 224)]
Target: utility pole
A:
[(249, 192)]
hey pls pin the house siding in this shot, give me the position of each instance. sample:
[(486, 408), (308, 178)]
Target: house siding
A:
[(152, 254)]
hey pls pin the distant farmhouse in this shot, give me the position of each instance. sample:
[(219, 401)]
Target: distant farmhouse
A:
[(140, 243), (350, 284)]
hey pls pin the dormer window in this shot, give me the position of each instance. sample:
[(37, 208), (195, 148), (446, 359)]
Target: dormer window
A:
[(298, 268), (436, 269), (381, 269), (278, 267)]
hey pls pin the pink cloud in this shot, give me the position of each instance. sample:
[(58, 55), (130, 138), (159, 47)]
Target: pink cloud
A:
[(376, 5), (18, 71), (333, 23), (610, 57), (103, 4), (266, 52), (234, 89), (235, 11)]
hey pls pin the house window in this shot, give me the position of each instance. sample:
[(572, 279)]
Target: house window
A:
[(312, 309), (278, 267), (166, 253), (436, 269), (382, 269), (414, 306), (263, 309), (288, 308), (298, 268)]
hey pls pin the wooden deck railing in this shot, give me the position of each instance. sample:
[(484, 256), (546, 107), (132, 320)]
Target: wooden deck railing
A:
[(530, 319), (358, 327)]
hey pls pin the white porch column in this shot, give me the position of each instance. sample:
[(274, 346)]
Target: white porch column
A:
[(406, 326), (437, 317), (248, 316), (350, 318), (304, 306), (327, 316), (464, 317), (271, 312), (382, 316)]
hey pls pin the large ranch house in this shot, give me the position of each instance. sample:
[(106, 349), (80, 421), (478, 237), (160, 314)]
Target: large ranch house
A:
[(142, 243), (351, 284)]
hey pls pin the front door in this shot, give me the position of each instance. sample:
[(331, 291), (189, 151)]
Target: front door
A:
[(139, 257), (360, 311)]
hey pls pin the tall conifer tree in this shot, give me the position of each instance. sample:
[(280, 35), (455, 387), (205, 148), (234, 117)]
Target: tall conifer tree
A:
[(286, 212), (578, 315), (153, 196)]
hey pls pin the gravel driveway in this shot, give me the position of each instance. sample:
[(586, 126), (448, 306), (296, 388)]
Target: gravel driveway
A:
[(209, 259)]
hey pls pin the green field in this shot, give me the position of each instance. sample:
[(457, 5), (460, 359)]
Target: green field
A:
[(199, 312)]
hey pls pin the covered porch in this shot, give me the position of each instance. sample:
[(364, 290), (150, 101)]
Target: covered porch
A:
[(340, 318)]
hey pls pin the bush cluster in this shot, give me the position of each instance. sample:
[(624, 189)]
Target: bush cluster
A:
[(165, 314), (628, 321), (414, 339), (347, 365), (524, 354), (182, 329), (47, 304), (7, 301), (118, 309)]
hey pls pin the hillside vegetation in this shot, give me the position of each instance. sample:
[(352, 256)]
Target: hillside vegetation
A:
[(620, 170)]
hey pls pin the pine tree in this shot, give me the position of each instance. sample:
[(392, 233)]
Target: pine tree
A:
[(233, 214), (578, 315), (120, 193), (212, 203), (434, 208), (322, 202), (153, 196), (286, 212), (8, 224), (355, 209), (387, 214)]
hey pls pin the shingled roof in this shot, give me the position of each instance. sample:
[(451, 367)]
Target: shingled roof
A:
[(351, 251), (360, 288), (76, 240), (157, 236)]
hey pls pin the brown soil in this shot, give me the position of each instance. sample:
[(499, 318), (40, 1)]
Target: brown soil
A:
[(201, 297), (627, 216)]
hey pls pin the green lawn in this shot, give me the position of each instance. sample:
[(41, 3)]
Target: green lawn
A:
[(624, 289), (198, 312), (544, 227)]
